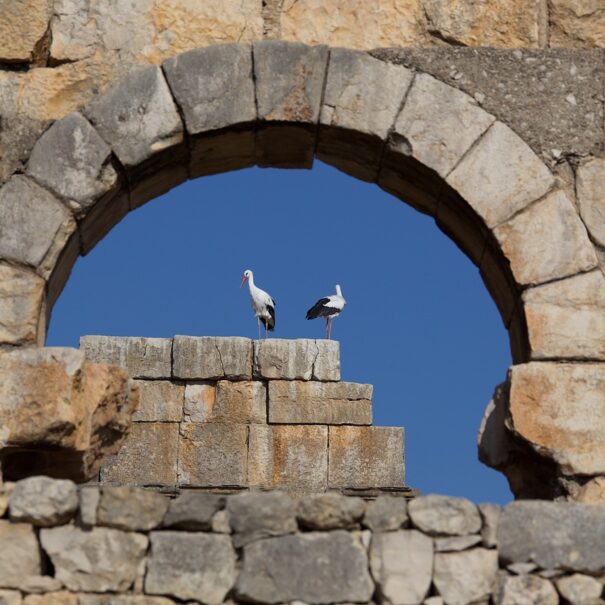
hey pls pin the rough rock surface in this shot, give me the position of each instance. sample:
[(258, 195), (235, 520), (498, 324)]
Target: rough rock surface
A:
[(131, 509), (444, 516), (528, 589), (490, 514), (330, 511), (159, 401), (22, 28), (579, 589), (200, 398), (19, 555), (590, 182), (234, 402), (386, 514), (456, 543), (193, 511)]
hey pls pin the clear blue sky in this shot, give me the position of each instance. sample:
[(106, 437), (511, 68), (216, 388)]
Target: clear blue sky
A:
[(419, 324)]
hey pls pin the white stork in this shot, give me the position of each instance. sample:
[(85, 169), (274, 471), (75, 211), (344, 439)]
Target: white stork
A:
[(328, 307), (262, 303)]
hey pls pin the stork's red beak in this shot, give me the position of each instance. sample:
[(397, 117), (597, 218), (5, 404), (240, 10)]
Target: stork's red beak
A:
[(244, 279)]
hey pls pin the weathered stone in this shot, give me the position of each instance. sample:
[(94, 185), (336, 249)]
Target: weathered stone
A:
[(148, 456), (590, 182), (131, 509), (22, 28), (212, 358), (444, 516), (21, 296), (200, 398), (140, 357), (330, 511), (402, 566), (191, 566), (117, 599), (257, 515), (436, 600), (300, 359), (10, 597), (35, 224), (292, 457), (220, 523), (547, 241), (212, 454), (500, 175), (465, 577), (95, 560), (52, 598), (490, 514), (193, 511), (41, 584), (526, 589), (137, 116), (456, 543), (365, 457), (520, 569), (6, 489), (19, 554), (576, 24), (43, 502), (74, 161), (386, 514), (579, 589), (89, 503), (336, 561), (159, 401), (540, 413), (592, 492), (303, 402)]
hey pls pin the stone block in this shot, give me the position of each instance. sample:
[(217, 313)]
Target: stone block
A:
[(456, 543), (579, 589), (72, 160), (41, 585), (222, 151), (193, 511), (5, 491), (199, 567), (541, 412), (566, 318), (23, 26), (365, 457), (386, 514), (402, 565), (212, 454), (94, 560), (107, 212), (547, 241), (526, 588), (159, 401), (148, 456), (300, 359), (277, 570), (43, 501), (140, 357), (576, 25), (500, 175), (61, 597), (330, 511), (590, 182), (361, 100), (127, 599), (21, 296), (200, 398), (212, 358), (289, 457), (592, 492), (131, 509), (19, 554), (490, 514), (10, 597), (444, 516), (304, 402), (89, 503)]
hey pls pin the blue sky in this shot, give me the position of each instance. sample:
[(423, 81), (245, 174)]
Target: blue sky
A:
[(419, 324)]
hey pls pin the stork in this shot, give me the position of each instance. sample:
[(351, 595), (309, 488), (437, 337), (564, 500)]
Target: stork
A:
[(328, 307), (262, 303)]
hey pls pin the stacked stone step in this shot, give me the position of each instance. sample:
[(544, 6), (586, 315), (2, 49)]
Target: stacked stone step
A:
[(228, 413)]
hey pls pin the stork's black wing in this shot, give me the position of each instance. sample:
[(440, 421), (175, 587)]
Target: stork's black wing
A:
[(319, 309), (269, 323)]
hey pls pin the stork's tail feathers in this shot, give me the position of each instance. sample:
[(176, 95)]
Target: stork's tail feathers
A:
[(269, 323)]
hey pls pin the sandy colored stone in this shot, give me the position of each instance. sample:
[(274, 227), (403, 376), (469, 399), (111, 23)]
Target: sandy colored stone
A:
[(17, 138), (159, 401), (444, 515), (330, 511), (131, 509), (366, 457), (19, 554), (386, 513), (577, 24), (592, 492), (10, 597), (290, 457), (560, 410), (590, 183), (528, 589), (23, 25), (6, 489), (61, 597), (234, 402), (566, 319), (579, 589), (200, 398)]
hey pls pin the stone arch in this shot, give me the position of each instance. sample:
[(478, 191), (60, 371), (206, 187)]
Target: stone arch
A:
[(281, 104)]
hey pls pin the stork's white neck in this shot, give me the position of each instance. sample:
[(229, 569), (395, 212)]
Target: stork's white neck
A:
[(338, 291)]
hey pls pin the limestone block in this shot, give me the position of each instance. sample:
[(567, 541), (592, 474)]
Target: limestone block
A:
[(579, 528), (212, 358), (579, 589), (198, 567), (212, 454), (566, 319), (576, 24), (444, 515), (140, 357), (309, 402), (386, 514), (465, 577), (193, 511), (148, 456), (590, 182), (10, 597), (541, 412), (257, 515), (89, 503), (43, 584), (127, 599), (330, 511), (131, 509), (500, 175), (5, 491), (137, 117), (19, 554), (21, 296), (300, 359), (354, 23), (61, 597), (277, 570), (43, 502), (159, 401), (490, 514), (95, 560), (34, 224), (365, 457), (532, 589), (72, 160), (200, 398), (402, 565), (23, 25), (547, 241), (456, 543), (290, 457), (592, 492), (361, 100)]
